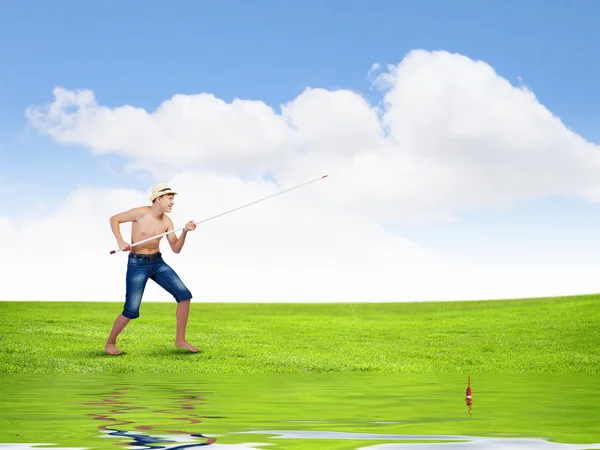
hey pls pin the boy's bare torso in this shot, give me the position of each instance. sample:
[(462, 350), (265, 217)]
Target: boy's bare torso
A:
[(146, 226)]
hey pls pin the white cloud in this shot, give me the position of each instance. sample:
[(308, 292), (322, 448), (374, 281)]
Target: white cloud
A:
[(450, 135), (371, 74)]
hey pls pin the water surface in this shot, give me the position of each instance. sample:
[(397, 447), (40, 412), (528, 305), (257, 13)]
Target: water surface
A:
[(308, 411)]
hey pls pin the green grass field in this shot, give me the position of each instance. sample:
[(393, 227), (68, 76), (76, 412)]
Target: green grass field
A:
[(553, 335)]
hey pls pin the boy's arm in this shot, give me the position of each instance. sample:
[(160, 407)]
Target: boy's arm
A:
[(177, 244), (115, 225)]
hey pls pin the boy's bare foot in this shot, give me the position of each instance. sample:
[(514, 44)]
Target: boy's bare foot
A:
[(112, 349), (186, 345)]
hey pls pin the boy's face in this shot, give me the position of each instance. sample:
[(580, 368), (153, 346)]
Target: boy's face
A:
[(166, 202)]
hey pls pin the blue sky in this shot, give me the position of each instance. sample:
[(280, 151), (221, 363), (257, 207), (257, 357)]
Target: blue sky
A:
[(143, 52)]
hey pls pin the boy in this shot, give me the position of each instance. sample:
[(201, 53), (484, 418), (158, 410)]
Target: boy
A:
[(147, 262)]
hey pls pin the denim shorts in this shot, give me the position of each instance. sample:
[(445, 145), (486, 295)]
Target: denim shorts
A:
[(140, 268)]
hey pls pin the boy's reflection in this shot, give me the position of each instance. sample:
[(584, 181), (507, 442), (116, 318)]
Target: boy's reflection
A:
[(114, 427), (141, 440)]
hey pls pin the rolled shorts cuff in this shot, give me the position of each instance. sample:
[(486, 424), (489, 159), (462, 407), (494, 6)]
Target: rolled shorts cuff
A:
[(130, 315), (185, 295)]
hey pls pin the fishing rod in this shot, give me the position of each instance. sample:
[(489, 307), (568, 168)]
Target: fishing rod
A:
[(226, 212)]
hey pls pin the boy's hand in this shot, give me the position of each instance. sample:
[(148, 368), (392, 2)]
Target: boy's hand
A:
[(124, 246), (190, 226)]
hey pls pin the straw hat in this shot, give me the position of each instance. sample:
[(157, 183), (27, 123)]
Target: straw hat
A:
[(160, 189)]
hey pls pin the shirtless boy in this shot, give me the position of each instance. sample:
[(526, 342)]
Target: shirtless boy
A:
[(147, 262)]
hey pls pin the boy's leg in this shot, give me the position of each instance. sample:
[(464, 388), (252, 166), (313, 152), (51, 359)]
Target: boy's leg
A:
[(136, 278), (111, 344), (166, 277), (182, 314)]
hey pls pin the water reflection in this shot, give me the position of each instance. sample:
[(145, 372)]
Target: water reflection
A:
[(117, 402), (374, 412), (148, 441), (467, 442)]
